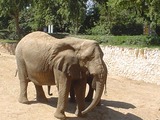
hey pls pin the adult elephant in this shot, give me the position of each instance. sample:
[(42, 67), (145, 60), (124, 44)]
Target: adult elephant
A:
[(90, 57), (88, 53), (45, 60)]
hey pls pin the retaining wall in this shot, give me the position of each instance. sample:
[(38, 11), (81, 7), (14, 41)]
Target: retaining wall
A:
[(136, 64), (9, 47)]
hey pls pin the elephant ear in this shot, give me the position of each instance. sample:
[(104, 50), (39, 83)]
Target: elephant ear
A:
[(67, 62), (59, 63)]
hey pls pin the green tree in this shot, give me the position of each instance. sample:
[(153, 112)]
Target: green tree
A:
[(102, 26), (74, 11), (12, 8), (41, 14), (144, 11), (77, 14), (91, 19), (45, 13)]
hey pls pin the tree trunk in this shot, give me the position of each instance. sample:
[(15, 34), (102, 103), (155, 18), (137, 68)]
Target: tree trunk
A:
[(16, 18)]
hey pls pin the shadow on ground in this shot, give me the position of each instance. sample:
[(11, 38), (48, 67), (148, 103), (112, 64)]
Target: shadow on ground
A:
[(118, 104), (104, 112)]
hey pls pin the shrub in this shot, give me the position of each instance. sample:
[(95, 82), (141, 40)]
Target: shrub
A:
[(129, 29), (3, 34), (139, 40), (136, 40), (116, 40), (153, 40), (97, 30)]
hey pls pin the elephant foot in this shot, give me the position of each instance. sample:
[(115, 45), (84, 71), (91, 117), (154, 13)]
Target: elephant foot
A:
[(42, 100), (59, 115), (23, 100)]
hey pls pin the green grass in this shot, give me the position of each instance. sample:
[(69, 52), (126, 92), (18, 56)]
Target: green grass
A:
[(139, 41), (8, 41)]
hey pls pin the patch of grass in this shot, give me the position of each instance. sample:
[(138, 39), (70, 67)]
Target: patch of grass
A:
[(8, 41), (138, 41)]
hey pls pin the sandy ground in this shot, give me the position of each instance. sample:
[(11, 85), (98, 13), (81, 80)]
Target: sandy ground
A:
[(126, 99)]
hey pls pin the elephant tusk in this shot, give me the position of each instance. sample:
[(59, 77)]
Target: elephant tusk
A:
[(98, 94)]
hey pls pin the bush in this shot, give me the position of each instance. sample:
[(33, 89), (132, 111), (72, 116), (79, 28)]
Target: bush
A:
[(136, 40), (153, 40), (6, 34), (97, 30), (129, 29), (3, 34), (139, 40)]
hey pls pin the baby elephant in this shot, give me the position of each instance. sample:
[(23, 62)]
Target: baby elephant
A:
[(90, 92), (72, 92)]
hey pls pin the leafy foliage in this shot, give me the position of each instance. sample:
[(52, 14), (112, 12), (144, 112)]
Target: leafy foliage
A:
[(138, 40), (100, 17), (12, 9)]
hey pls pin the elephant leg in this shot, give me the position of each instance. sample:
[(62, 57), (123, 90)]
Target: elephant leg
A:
[(40, 94), (63, 90), (23, 91), (80, 87), (72, 94), (22, 74)]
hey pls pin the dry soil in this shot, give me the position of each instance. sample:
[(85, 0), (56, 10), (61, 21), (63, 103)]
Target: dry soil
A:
[(126, 99)]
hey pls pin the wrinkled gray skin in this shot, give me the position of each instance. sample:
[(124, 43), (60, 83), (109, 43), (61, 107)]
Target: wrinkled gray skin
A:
[(90, 56), (49, 62), (72, 92), (37, 62)]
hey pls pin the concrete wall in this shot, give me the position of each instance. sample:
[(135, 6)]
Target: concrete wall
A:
[(136, 64)]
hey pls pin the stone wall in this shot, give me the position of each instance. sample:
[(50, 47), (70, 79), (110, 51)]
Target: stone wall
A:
[(136, 64), (10, 47)]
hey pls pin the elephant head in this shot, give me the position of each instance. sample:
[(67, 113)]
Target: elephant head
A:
[(91, 56)]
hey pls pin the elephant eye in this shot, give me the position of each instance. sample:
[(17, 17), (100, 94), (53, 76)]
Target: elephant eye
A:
[(89, 58)]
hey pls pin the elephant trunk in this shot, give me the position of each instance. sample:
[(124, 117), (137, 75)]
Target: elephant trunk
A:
[(98, 94)]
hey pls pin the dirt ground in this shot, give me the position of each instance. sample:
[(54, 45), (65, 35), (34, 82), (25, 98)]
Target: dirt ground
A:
[(126, 99)]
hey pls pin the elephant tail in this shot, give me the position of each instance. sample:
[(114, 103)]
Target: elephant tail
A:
[(49, 88)]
